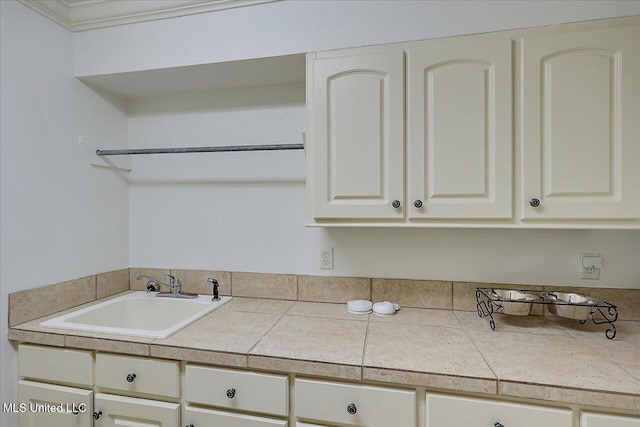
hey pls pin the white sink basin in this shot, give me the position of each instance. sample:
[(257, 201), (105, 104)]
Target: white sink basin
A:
[(138, 314)]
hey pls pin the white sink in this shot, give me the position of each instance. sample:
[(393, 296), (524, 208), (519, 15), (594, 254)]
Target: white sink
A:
[(138, 314)]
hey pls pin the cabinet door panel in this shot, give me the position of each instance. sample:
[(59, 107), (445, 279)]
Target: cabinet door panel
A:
[(35, 395), (358, 136), (119, 411), (452, 411), (459, 124), (580, 110), (209, 418), (602, 420)]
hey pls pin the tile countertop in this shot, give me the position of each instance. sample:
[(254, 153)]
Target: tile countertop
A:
[(534, 357)]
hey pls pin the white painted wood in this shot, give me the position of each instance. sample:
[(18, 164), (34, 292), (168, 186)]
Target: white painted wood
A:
[(299, 424), (59, 365), (253, 392), (459, 130), (588, 419), (580, 126), (206, 417), (34, 394), (376, 406), (133, 412), (358, 136), (454, 411), (155, 377)]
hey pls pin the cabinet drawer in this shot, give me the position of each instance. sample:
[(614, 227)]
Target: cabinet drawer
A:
[(601, 420), (71, 399), (450, 411), (198, 417), (249, 391), (138, 375), (73, 367), (120, 411), (373, 406)]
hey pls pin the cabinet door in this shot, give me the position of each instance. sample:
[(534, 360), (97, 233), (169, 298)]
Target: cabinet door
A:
[(354, 405), (199, 417), (453, 411), (581, 125), (76, 405), (600, 420), (459, 128), (133, 412), (357, 137)]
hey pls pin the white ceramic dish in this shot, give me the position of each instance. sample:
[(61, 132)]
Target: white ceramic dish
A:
[(385, 308), (359, 306)]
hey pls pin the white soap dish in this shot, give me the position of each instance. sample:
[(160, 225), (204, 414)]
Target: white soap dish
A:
[(385, 308), (359, 306)]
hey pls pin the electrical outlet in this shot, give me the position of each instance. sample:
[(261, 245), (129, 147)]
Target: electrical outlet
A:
[(588, 271), (326, 258)]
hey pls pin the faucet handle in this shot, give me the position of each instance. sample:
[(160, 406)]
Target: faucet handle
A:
[(174, 279), (215, 284)]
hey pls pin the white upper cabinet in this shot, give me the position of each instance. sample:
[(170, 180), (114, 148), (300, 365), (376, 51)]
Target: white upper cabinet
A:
[(434, 128), (459, 131), (358, 137), (581, 125)]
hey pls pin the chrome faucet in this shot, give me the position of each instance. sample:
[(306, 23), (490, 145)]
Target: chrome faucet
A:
[(175, 288)]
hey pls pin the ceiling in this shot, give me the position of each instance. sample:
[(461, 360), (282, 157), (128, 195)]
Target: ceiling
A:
[(81, 15)]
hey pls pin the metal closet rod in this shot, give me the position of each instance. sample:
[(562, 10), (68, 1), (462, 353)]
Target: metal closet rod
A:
[(219, 149)]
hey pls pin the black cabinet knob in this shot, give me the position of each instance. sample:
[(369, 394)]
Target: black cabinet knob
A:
[(534, 202), (396, 204), (417, 204), (231, 393), (131, 377), (96, 415), (352, 409)]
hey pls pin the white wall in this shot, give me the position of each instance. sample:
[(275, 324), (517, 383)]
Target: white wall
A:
[(246, 211), (60, 218), (288, 27)]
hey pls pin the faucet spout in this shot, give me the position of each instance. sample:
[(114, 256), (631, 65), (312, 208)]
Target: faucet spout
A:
[(175, 288)]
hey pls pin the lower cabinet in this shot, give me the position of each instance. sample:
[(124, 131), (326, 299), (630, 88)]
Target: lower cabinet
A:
[(453, 411), (199, 417), (111, 411), (355, 405), (588, 419), (217, 397), (53, 405)]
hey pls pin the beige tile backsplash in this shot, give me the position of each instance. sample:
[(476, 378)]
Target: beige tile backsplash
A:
[(261, 285), (38, 302), (112, 282), (141, 285), (35, 303), (412, 293), (196, 281), (333, 289)]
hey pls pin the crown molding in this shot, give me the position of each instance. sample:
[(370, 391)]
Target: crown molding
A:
[(81, 15)]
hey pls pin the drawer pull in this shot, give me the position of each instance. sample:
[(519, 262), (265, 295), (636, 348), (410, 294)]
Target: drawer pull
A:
[(396, 204), (534, 202), (96, 415), (498, 425), (418, 204), (131, 377), (189, 425), (352, 409), (75, 410), (231, 393)]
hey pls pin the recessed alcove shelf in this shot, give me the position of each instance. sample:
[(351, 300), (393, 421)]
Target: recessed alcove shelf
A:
[(277, 70)]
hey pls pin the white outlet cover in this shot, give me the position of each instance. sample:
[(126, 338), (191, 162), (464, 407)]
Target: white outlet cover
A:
[(326, 258), (585, 272)]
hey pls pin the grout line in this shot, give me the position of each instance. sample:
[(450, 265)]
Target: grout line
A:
[(466, 330)]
